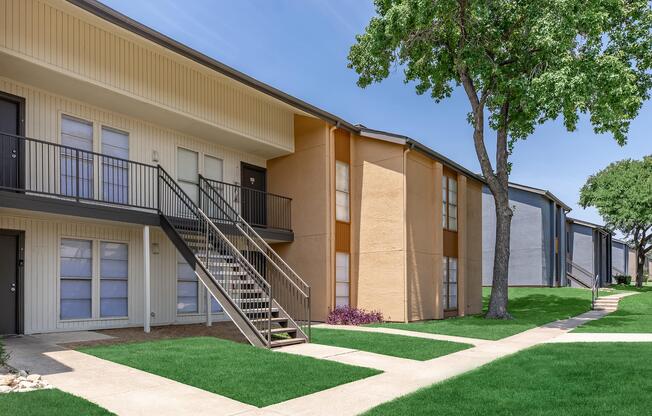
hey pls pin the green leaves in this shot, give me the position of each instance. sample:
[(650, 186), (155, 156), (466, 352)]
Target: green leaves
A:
[(549, 58), (622, 194)]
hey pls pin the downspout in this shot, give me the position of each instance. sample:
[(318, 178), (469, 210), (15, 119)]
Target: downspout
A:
[(405, 225), (331, 212)]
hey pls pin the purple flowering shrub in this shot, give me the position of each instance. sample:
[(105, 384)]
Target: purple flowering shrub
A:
[(346, 315)]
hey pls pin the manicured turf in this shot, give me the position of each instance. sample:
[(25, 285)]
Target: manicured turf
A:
[(387, 344), (634, 315), (252, 375), (581, 379), (48, 403), (530, 307)]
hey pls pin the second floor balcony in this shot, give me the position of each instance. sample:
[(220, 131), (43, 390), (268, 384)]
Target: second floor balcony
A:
[(45, 176)]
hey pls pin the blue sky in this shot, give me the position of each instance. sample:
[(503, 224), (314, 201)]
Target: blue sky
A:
[(300, 47)]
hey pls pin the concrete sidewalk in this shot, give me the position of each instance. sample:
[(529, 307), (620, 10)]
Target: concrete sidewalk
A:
[(394, 331), (120, 389), (399, 380), (127, 391), (602, 337)]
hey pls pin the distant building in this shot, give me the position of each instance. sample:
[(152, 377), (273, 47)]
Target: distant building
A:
[(537, 241)]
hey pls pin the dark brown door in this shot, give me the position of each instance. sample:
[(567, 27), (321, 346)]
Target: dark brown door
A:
[(254, 197), (8, 283), (10, 146)]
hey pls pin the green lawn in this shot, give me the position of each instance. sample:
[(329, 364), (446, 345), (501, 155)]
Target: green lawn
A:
[(634, 315), (581, 379), (530, 307), (387, 344), (251, 375), (50, 402)]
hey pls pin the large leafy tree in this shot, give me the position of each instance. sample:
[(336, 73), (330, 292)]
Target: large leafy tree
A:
[(622, 194), (520, 63)]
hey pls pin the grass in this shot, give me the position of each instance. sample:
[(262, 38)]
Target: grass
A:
[(387, 344), (581, 379), (251, 375), (49, 402), (634, 315), (530, 307)]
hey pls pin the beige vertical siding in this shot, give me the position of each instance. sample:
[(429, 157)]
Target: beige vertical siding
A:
[(64, 38), (43, 234), (43, 116)]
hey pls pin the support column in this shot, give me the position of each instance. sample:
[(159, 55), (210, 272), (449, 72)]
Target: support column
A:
[(209, 312), (146, 279)]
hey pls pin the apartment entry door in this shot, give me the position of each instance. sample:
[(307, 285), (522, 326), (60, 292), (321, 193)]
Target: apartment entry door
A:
[(254, 197), (9, 288), (11, 125)]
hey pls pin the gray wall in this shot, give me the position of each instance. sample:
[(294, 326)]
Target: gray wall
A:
[(619, 256), (526, 264), (582, 246)]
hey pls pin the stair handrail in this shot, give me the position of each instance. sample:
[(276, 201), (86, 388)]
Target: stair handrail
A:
[(595, 290), (270, 254), (588, 276), (241, 259), (241, 221)]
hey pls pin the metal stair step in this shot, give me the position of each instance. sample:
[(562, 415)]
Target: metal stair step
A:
[(275, 320), (259, 310), (286, 342), (282, 330)]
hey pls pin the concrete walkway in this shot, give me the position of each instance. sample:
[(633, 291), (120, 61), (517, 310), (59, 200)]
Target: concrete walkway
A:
[(120, 389), (394, 331), (127, 391), (602, 337), (403, 376)]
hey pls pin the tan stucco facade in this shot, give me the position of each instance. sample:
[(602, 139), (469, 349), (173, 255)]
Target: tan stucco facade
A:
[(396, 234), (378, 227), (304, 177)]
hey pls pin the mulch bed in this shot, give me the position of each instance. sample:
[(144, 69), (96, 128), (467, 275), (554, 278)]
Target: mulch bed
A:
[(224, 330)]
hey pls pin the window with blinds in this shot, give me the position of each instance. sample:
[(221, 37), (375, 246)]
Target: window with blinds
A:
[(76, 170), (449, 203), (76, 279)]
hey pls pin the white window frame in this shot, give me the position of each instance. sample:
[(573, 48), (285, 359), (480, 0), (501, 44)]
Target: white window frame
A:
[(95, 278), (448, 206), (196, 281), (344, 194), (446, 283), (341, 282), (101, 278), (101, 181)]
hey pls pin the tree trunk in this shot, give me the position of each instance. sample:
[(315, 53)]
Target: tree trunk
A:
[(500, 284), (640, 262)]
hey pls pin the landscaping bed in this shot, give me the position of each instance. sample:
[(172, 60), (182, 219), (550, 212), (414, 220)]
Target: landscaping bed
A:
[(387, 344), (251, 375), (580, 379), (530, 307)]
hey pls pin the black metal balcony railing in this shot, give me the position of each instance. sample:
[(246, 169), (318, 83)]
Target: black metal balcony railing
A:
[(50, 169), (258, 208)]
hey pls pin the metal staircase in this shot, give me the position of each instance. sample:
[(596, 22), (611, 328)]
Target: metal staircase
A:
[(244, 278), (579, 275)]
